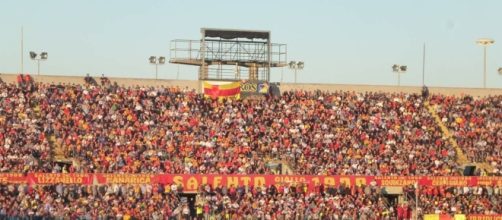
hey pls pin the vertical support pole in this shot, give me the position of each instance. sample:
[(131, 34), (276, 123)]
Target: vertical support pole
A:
[(236, 71), (202, 72), (398, 78), (423, 67), (178, 73), (295, 74), (156, 71), (282, 74), (269, 57), (484, 69), (417, 190), (22, 49)]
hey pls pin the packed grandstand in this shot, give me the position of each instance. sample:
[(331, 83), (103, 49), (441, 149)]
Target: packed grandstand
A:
[(75, 150)]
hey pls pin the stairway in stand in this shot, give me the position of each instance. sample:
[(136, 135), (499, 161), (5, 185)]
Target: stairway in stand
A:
[(285, 166), (57, 149), (485, 166), (461, 158)]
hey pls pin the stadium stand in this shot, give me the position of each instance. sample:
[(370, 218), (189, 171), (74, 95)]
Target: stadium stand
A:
[(92, 128)]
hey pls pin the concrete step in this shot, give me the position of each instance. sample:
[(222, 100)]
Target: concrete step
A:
[(286, 168), (485, 166)]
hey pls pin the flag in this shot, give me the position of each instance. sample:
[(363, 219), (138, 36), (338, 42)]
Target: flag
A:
[(220, 91)]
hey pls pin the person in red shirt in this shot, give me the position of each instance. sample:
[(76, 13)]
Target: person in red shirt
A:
[(20, 80), (407, 212), (400, 212), (27, 78)]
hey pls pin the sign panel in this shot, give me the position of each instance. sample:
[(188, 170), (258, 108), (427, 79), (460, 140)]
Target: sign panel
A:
[(254, 88)]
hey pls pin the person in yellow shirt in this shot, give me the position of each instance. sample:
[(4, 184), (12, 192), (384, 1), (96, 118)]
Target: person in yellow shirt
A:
[(199, 211)]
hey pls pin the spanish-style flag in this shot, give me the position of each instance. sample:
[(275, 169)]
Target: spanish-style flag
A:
[(220, 91)]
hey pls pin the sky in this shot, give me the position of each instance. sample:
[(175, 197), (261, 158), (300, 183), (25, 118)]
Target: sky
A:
[(341, 42)]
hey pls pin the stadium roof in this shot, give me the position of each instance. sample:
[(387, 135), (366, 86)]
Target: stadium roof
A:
[(233, 33)]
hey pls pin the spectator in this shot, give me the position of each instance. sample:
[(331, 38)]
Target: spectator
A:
[(425, 92)]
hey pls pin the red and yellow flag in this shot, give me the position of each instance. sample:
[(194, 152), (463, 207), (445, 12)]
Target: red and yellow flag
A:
[(229, 90)]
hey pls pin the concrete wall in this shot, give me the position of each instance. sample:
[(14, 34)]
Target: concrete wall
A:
[(391, 89), (192, 84), (195, 84)]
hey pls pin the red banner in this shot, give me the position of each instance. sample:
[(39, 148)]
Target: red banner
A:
[(12, 178), (192, 181)]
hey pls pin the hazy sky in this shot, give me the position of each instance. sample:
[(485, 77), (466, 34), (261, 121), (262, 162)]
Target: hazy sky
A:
[(346, 41)]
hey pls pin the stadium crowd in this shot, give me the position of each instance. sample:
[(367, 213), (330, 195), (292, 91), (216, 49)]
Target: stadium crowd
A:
[(165, 202), (114, 129), (486, 200), (476, 124), (288, 201)]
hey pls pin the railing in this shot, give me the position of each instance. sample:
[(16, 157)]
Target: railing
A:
[(410, 198), (253, 52)]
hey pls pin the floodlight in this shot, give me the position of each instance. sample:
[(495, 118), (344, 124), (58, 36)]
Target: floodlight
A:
[(153, 59), (500, 70), (300, 65), (485, 41), (162, 60), (292, 65), (33, 55), (44, 55), (395, 68), (403, 68)]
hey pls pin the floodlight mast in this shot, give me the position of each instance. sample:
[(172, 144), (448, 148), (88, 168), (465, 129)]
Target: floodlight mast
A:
[(399, 69), (157, 61), (485, 42), (296, 66), (43, 56)]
